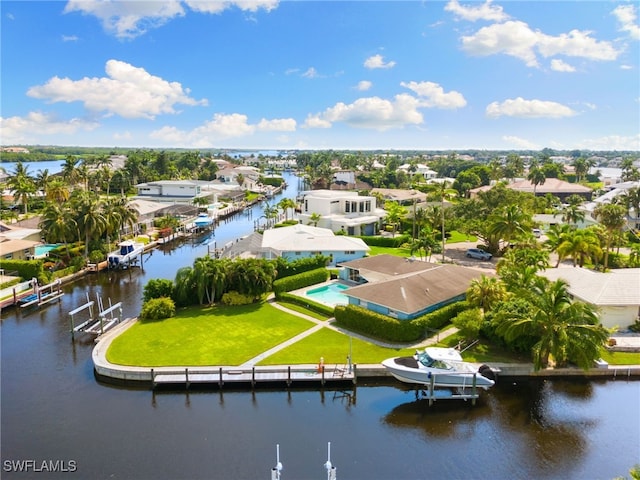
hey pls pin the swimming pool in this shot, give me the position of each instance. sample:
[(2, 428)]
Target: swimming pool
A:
[(329, 294), (43, 250)]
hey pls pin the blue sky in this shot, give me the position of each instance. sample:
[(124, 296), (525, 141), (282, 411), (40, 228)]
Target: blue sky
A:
[(272, 74)]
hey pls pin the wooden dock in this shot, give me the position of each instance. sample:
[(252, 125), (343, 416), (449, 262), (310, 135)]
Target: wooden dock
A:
[(252, 376)]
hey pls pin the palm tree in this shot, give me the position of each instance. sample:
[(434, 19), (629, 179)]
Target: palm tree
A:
[(69, 170), (536, 176), (395, 214), (612, 217), (509, 223), (579, 245), (566, 330), (555, 236), (209, 277), (184, 286), (485, 292), (425, 242), (443, 192), (581, 167), (285, 204), (57, 191), (572, 214), (57, 224), (314, 219), (90, 218)]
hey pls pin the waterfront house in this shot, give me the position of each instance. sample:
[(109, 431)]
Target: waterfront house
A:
[(342, 211), (553, 186), (418, 169), (403, 288), (296, 242), (616, 293), (18, 243)]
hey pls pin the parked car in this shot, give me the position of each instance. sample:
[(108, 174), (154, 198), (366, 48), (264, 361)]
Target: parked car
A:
[(479, 254)]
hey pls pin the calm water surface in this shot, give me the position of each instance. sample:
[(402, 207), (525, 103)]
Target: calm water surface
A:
[(53, 409)]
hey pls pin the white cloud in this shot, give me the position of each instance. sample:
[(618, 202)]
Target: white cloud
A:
[(130, 19), (371, 112), (520, 143), (516, 39), (35, 125), (126, 19), (277, 125), (69, 38), (626, 67), (364, 85), (315, 121), (221, 127), (612, 142), (626, 15), (217, 6), (484, 11), (377, 61), (129, 91), (311, 73), (521, 108), (433, 95), (560, 66)]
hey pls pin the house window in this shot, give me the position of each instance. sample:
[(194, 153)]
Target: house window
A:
[(367, 206), (393, 314), (8, 256), (349, 252), (361, 207), (347, 207), (306, 205), (297, 253)]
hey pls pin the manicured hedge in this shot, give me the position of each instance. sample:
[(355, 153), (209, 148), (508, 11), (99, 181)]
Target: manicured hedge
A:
[(381, 326), (376, 325), (286, 268), (307, 303), (395, 242), (27, 269), (301, 280)]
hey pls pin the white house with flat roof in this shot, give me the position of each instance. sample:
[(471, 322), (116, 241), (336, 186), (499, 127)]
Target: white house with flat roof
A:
[(342, 211), (616, 293)]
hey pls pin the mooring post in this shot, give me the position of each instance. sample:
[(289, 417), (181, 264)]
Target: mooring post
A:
[(253, 377), (432, 380), (186, 377), (322, 370), (153, 379), (289, 376), (473, 390), (355, 373), (220, 377)]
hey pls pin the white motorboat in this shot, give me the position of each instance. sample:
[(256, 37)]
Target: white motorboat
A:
[(127, 252), (444, 365)]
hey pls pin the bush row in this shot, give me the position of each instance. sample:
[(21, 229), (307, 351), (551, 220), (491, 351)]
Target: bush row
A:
[(286, 268), (27, 269), (381, 326), (301, 280), (394, 242), (307, 303)]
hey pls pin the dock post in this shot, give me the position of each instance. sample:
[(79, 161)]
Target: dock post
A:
[(473, 390), (322, 371), (253, 377), (431, 388), (355, 373), (289, 376), (186, 377), (220, 383), (153, 379)]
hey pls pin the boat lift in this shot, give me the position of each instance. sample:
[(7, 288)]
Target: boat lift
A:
[(42, 294), (106, 319), (331, 470)]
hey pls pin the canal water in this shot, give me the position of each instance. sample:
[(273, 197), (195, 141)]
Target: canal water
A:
[(56, 416)]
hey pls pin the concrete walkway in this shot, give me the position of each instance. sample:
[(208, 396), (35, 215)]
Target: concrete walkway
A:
[(330, 323)]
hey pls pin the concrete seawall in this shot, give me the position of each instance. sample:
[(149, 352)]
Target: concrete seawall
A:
[(144, 375)]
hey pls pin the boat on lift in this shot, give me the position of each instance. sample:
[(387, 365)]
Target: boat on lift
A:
[(127, 253), (444, 365)]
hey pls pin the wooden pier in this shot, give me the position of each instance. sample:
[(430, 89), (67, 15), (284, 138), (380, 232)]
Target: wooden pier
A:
[(252, 376)]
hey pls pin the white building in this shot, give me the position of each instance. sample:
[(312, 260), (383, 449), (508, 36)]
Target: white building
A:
[(418, 169), (342, 211), (616, 294), (177, 191)]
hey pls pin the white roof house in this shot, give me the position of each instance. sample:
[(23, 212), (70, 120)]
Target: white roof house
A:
[(616, 293), (342, 211), (300, 241)]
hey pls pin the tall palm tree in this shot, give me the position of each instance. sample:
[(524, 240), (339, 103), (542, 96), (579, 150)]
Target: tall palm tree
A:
[(69, 170), (89, 217), (579, 245), (442, 191), (509, 223), (184, 286), (57, 191), (395, 214), (536, 176), (285, 205), (555, 236), (612, 217), (57, 224), (562, 328)]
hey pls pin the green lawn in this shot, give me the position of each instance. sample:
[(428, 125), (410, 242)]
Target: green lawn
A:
[(333, 347), (206, 336), (620, 358)]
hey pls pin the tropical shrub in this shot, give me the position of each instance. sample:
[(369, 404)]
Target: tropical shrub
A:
[(27, 269), (286, 268), (394, 242), (439, 318), (96, 256), (235, 298), (158, 309), (469, 323), (157, 288)]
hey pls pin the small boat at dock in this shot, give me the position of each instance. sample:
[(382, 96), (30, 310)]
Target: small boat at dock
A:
[(127, 253), (443, 366)]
